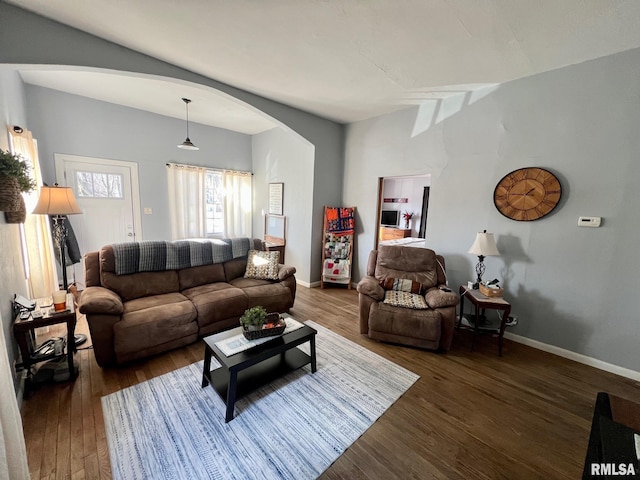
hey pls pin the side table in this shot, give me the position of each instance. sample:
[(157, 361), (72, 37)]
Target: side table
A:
[(24, 331), (481, 303)]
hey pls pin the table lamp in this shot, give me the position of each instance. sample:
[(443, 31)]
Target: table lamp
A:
[(58, 202), (483, 246)]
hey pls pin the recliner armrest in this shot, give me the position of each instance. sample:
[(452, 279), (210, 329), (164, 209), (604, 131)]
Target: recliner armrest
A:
[(437, 298), (371, 286), (100, 300), (285, 271)]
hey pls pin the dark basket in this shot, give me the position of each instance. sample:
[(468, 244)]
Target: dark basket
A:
[(17, 216), (9, 194), (266, 332)]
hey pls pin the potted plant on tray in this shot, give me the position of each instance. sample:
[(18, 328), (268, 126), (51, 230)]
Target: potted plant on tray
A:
[(253, 318), (14, 179)]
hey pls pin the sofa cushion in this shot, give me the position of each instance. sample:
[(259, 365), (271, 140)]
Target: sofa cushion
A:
[(135, 285), (417, 264), (273, 296), (151, 321), (404, 300), (262, 265), (196, 276), (405, 322), (138, 285), (235, 268), (217, 301), (437, 298), (401, 284)]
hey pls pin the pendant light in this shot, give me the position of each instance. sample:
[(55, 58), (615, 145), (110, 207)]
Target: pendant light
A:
[(187, 145)]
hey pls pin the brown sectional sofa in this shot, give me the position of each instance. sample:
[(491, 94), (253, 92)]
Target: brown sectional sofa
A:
[(136, 315)]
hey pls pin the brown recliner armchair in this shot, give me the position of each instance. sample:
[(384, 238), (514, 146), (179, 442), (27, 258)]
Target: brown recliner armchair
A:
[(429, 322)]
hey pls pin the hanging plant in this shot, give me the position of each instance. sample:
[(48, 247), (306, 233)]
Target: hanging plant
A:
[(14, 178), (15, 166)]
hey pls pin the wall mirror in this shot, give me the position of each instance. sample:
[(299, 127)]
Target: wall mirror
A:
[(275, 227)]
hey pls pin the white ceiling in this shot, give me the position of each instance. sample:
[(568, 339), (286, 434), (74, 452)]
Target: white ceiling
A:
[(345, 60)]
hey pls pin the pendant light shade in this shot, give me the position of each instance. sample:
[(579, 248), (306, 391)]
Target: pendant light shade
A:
[(187, 144)]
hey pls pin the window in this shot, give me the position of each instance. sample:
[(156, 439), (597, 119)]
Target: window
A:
[(208, 203), (214, 207), (99, 185)]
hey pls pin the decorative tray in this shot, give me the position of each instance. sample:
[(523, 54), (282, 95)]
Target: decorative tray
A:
[(274, 325), (490, 292)]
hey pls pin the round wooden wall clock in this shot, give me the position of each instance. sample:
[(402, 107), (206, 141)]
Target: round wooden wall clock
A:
[(527, 194)]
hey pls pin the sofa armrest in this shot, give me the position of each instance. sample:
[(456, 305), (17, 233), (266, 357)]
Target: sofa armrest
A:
[(437, 298), (100, 300), (285, 271), (371, 287)]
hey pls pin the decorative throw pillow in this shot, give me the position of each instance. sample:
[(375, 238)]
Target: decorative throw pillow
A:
[(405, 299), (262, 265), (401, 285)]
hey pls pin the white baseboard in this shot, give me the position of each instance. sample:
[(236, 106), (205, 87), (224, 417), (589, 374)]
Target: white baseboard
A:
[(578, 357)]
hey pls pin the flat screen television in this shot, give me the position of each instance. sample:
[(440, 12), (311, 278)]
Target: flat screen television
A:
[(389, 218)]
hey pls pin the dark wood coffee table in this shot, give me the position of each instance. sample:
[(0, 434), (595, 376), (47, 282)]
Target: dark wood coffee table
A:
[(244, 372)]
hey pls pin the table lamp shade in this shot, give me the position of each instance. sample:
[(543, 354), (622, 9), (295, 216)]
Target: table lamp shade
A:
[(484, 245), (57, 201)]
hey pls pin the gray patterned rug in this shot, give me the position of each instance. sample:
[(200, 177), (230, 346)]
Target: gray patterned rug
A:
[(294, 428)]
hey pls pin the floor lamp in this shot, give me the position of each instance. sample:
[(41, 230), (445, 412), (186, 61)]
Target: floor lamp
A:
[(58, 202)]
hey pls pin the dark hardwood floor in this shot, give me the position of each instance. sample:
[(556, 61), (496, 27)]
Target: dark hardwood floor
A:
[(470, 415)]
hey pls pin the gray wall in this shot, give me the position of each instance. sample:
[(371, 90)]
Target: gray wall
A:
[(570, 286), (282, 156), (12, 274), (76, 125)]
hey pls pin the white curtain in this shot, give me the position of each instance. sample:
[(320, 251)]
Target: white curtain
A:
[(13, 451), (237, 204), (186, 201), (42, 277)]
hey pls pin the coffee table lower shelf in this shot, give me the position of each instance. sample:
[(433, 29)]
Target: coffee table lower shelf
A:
[(258, 375), (246, 371)]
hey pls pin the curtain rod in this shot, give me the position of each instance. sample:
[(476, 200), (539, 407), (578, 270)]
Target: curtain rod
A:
[(184, 165)]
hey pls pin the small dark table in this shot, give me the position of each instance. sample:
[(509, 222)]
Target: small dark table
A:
[(481, 303), (244, 372), (23, 330)]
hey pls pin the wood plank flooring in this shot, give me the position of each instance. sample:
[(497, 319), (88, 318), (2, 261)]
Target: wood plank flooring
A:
[(470, 415)]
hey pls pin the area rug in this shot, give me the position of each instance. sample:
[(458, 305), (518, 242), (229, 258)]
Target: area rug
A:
[(294, 428)]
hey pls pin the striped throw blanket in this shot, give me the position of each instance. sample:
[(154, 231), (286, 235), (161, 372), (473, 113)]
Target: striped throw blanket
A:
[(154, 256)]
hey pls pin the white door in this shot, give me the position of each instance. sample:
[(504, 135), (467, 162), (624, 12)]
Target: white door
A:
[(107, 192)]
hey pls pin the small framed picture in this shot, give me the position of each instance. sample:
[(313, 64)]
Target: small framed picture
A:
[(276, 191)]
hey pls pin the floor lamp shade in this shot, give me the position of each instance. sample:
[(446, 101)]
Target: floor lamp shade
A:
[(58, 202)]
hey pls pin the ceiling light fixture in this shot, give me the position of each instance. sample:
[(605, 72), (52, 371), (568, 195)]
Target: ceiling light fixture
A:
[(187, 145)]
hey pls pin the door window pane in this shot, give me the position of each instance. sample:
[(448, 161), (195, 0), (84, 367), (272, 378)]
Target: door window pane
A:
[(99, 185)]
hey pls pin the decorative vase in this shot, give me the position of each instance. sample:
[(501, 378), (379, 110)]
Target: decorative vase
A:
[(20, 215), (406, 223), (9, 194)]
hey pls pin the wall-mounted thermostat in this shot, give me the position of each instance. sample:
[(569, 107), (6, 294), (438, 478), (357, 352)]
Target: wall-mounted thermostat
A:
[(589, 221)]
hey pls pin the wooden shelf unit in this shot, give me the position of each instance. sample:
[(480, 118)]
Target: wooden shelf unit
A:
[(337, 245)]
